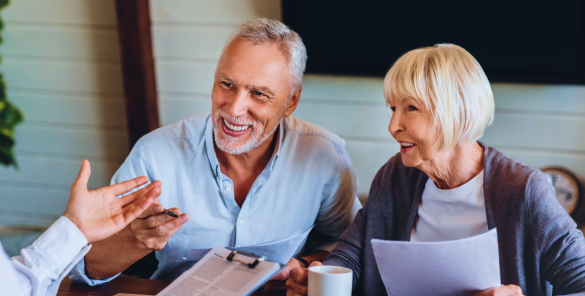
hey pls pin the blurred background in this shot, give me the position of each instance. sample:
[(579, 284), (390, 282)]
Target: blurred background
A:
[(62, 65)]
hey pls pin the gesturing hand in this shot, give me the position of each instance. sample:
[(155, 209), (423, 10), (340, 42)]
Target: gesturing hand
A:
[(98, 213)]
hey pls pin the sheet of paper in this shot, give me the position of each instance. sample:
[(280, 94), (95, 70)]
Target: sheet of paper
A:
[(213, 275), (276, 251), (459, 267)]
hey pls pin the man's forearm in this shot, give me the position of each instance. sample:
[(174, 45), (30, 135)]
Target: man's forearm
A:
[(113, 255)]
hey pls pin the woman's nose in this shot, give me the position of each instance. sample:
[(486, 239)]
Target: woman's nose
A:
[(395, 125)]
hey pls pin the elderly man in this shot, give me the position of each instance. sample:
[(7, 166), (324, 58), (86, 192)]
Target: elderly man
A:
[(249, 173)]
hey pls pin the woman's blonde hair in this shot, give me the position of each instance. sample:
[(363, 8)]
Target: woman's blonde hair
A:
[(447, 80)]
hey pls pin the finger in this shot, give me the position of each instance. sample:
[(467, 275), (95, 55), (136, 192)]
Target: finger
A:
[(316, 263), (83, 176), (490, 292), (169, 228), (281, 276), (131, 211), (126, 186), (300, 275), (136, 195), (153, 210), (275, 285), (293, 286)]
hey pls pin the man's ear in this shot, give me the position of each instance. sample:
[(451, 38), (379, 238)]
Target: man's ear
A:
[(293, 102)]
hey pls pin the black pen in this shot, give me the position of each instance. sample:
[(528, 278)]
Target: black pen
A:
[(170, 213)]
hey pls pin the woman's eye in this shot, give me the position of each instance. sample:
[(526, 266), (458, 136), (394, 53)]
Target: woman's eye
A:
[(393, 109), (412, 108)]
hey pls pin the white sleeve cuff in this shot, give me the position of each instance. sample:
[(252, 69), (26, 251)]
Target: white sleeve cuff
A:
[(61, 243), (78, 275)]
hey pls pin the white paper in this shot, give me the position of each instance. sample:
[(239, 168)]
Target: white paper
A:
[(279, 251), (213, 275), (458, 267)]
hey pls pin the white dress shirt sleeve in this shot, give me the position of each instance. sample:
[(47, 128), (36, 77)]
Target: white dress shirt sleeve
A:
[(40, 267)]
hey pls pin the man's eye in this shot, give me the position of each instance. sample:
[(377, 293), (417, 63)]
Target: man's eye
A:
[(227, 84), (257, 93)]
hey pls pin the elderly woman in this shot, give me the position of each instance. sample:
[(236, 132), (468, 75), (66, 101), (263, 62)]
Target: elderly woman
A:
[(445, 185)]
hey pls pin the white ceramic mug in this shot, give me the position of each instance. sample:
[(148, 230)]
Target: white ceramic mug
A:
[(330, 281)]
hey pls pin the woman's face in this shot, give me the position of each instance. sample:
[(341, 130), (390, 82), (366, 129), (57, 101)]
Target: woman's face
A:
[(413, 127)]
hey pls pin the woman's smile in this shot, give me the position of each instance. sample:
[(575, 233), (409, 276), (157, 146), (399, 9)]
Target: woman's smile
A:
[(406, 146)]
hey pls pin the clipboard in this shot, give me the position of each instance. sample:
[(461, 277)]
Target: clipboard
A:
[(224, 271), (231, 258)]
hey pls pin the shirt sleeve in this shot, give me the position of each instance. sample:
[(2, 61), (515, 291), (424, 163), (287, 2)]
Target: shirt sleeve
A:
[(338, 207), (134, 166), (40, 267)]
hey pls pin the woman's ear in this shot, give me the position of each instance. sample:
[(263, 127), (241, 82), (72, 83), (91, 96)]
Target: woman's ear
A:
[(293, 102)]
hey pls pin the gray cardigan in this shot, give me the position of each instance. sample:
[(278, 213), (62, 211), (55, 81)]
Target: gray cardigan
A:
[(541, 250)]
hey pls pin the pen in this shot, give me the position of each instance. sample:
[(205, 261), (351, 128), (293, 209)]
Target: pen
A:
[(170, 213)]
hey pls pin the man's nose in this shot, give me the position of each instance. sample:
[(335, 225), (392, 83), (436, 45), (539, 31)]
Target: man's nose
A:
[(239, 105)]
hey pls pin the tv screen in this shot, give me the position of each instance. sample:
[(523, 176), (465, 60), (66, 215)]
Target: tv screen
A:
[(514, 41)]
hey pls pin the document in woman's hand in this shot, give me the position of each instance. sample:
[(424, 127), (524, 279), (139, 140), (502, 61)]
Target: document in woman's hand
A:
[(457, 267), (216, 275)]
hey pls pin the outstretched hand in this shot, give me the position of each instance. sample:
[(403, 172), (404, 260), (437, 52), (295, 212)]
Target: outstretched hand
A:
[(98, 213)]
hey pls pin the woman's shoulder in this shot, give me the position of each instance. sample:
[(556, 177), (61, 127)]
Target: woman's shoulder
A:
[(506, 176), (502, 167)]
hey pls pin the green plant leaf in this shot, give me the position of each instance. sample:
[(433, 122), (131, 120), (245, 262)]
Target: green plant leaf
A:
[(10, 115)]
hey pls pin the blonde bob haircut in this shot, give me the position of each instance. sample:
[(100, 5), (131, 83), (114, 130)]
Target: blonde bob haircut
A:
[(450, 83)]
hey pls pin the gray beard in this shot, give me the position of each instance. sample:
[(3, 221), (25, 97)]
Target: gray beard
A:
[(229, 145)]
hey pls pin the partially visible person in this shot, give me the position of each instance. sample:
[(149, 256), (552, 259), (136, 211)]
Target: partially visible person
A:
[(445, 185), (90, 216)]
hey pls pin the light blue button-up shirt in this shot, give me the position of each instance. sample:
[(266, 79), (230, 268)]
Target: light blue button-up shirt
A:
[(308, 181)]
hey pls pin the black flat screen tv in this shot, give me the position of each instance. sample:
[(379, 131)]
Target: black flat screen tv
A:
[(514, 41)]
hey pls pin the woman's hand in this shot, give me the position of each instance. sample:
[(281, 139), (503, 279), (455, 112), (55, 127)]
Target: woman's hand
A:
[(509, 290), (98, 213), (297, 283)]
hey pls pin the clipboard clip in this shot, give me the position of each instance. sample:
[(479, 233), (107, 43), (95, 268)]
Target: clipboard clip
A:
[(230, 258)]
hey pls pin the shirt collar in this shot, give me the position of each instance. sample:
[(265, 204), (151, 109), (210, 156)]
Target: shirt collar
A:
[(214, 163)]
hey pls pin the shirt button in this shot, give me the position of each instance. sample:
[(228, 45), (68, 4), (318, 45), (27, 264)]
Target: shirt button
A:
[(228, 187), (241, 222)]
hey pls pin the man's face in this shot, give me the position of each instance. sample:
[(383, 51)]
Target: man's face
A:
[(250, 95)]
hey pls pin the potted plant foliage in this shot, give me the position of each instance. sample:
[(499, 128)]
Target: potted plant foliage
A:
[(10, 116)]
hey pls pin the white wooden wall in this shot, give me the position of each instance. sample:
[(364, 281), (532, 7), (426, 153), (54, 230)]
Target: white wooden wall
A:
[(539, 124), (61, 63)]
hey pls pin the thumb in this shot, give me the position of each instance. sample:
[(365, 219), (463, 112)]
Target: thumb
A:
[(83, 176), (316, 263)]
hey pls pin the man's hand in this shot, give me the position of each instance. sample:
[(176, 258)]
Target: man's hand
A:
[(278, 282), (299, 280), (509, 290), (98, 213), (153, 228)]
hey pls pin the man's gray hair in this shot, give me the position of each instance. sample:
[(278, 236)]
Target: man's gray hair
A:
[(264, 30)]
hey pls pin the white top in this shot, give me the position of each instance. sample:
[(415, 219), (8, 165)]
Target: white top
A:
[(40, 267), (308, 181), (451, 214)]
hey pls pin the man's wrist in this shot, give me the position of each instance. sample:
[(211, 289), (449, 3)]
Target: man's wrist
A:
[(303, 261)]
